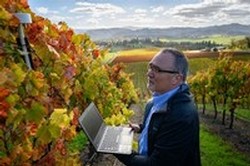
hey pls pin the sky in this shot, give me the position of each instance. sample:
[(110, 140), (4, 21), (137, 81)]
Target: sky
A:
[(95, 14)]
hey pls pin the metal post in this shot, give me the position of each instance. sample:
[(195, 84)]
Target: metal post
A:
[(24, 46), (24, 18)]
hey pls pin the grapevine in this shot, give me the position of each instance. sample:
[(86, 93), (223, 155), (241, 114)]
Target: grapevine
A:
[(227, 83), (39, 108)]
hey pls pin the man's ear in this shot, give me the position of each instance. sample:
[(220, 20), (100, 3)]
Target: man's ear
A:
[(177, 79)]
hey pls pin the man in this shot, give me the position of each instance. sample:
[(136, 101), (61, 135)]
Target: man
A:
[(170, 130)]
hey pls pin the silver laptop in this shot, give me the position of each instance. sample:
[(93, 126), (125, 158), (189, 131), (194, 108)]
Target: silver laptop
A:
[(105, 139)]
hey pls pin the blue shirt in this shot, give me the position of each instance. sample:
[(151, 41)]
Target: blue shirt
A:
[(158, 102)]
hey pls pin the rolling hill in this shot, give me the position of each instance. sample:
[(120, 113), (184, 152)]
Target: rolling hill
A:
[(128, 33)]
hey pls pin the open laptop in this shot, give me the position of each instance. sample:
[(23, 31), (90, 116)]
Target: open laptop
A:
[(105, 139)]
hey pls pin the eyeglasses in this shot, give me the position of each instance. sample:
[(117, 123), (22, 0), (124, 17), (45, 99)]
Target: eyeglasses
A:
[(156, 69)]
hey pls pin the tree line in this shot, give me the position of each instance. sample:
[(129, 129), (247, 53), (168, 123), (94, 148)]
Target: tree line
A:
[(241, 44), (133, 43), (149, 42)]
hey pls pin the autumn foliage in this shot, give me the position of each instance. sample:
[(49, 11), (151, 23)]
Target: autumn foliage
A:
[(39, 108), (226, 83)]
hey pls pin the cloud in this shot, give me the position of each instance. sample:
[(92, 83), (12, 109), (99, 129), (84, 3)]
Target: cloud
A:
[(244, 1), (139, 15), (137, 19), (196, 10), (97, 8), (45, 11), (213, 10), (157, 9), (52, 15), (93, 21), (57, 18), (140, 11), (86, 23), (227, 1), (237, 10), (42, 10), (91, 14)]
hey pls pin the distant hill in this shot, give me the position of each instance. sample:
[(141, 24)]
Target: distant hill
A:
[(128, 33)]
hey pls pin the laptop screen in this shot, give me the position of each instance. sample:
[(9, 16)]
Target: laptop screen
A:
[(91, 121)]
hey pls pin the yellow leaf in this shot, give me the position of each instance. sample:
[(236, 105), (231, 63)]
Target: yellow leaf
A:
[(4, 15), (60, 118), (19, 73)]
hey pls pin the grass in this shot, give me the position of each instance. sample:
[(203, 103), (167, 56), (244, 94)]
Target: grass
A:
[(216, 152), (243, 113)]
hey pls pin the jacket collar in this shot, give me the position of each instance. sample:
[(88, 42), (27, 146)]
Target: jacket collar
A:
[(183, 87)]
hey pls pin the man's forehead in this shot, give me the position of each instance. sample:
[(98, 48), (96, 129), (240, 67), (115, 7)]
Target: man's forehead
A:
[(162, 58)]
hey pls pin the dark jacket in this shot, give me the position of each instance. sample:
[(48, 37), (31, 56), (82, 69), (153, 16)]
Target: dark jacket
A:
[(173, 134)]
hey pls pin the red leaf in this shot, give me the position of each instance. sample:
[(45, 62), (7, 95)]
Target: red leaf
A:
[(96, 53), (3, 93)]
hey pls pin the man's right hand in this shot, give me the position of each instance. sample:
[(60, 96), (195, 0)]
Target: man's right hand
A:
[(135, 127)]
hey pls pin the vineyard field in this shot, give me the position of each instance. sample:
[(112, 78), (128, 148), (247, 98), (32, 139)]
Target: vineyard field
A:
[(142, 55)]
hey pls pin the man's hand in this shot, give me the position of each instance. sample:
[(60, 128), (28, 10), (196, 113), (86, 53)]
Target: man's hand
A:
[(135, 127)]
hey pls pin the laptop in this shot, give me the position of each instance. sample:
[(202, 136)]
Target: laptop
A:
[(105, 139)]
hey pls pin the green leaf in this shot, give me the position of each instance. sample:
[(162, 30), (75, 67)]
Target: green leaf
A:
[(3, 154), (15, 117), (44, 135), (36, 112), (78, 142), (12, 99), (54, 130)]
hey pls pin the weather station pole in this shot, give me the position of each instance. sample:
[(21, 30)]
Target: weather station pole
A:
[(24, 18)]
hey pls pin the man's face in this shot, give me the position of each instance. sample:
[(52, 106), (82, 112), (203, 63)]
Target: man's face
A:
[(161, 73)]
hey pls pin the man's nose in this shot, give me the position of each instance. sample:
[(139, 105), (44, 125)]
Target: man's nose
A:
[(150, 73)]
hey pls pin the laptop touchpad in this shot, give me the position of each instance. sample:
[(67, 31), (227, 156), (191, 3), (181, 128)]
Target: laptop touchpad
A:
[(126, 140)]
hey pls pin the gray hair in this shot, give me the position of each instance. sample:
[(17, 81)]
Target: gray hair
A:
[(180, 61)]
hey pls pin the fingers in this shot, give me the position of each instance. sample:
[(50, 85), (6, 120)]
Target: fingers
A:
[(134, 127)]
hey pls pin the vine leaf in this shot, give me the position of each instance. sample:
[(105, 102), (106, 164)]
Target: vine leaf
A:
[(36, 113), (60, 118)]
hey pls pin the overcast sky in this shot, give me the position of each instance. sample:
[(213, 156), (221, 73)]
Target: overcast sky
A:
[(89, 14)]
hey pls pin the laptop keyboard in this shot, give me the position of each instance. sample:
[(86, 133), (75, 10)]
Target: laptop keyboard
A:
[(110, 141)]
